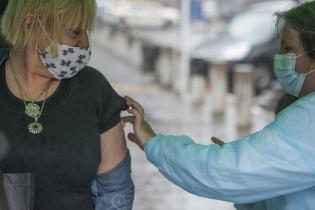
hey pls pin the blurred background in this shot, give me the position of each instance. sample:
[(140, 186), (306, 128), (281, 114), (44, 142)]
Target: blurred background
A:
[(199, 67)]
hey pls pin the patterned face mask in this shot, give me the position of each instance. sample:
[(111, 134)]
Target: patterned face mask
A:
[(68, 63)]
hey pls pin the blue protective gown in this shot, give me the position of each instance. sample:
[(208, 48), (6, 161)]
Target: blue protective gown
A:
[(273, 169)]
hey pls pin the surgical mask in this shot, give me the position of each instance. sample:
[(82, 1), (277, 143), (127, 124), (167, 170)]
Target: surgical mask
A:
[(69, 60), (68, 63), (284, 68)]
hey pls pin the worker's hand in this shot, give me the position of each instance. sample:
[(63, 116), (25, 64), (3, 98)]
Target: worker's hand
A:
[(142, 130), (217, 141)]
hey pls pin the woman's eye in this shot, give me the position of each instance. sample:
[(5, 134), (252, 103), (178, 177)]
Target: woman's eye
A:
[(288, 49), (74, 33)]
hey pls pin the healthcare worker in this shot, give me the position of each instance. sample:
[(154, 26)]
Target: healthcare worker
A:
[(273, 169)]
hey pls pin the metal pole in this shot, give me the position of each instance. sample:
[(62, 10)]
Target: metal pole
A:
[(184, 43), (244, 90), (218, 76)]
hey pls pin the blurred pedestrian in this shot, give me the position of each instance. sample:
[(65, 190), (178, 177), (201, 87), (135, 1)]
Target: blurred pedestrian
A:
[(272, 169)]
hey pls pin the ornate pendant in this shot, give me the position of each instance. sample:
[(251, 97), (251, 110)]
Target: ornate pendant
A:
[(32, 110), (35, 128)]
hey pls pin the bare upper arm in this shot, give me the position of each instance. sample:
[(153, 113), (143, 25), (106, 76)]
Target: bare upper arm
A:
[(113, 148)]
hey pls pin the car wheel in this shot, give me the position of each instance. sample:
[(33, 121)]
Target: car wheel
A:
[(263, 78)]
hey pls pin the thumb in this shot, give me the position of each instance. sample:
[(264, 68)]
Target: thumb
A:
[(128, 119), (132, 137), (217, 141)]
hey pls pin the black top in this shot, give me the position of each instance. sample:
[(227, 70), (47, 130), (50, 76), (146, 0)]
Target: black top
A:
[(65, 156)]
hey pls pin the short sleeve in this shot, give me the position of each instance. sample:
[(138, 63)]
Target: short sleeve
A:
[(109, 105)]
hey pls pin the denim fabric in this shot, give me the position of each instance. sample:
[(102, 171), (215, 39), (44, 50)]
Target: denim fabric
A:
[(114, 190)]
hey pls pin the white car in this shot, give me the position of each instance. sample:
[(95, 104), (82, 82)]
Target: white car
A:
[(144, 14)]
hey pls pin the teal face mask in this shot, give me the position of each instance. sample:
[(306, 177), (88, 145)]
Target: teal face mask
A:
[(284, 68)]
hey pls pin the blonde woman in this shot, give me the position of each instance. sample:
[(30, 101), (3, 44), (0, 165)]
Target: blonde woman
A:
[(61, 117)]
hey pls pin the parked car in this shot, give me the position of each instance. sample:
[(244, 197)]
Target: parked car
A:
[(142, 14), (248, 37)]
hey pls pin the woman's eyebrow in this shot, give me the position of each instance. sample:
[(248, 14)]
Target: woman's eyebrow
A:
[(284, 41), (73, 28)]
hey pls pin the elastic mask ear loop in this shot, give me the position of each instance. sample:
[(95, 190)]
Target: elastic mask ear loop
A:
[(309, 72), (298, 56), (301, 56)]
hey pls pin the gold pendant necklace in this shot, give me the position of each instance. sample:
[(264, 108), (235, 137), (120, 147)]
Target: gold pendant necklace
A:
[(35, 127), (32, 109)]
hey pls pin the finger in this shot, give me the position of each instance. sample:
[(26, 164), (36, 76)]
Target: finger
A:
[(132, 137), (127, 97), (134, 107), (217, 141), (133, 103), (138, 106), (136, 113), (128, 119), (129, 101)]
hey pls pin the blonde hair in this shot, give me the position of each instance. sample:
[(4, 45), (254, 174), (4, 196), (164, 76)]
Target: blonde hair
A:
[(49, 13)]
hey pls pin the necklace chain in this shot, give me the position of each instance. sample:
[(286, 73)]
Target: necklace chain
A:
[(31, 109)]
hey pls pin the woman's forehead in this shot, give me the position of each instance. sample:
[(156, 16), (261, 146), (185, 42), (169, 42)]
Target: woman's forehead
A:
[(69, 21), (72, 25), (289, 35), (78, 18)]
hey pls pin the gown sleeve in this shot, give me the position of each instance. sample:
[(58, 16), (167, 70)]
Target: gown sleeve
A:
[(275, 161)]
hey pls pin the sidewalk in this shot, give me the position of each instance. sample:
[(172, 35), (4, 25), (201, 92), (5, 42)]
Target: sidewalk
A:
[(169, 115)]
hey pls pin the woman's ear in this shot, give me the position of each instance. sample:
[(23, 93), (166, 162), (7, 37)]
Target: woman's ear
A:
[(28, 23)]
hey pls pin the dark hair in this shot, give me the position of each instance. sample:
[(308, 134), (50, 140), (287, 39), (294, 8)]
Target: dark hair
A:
[(3, 5), (302, 19)]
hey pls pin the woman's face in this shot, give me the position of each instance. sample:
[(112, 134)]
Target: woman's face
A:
[(73, 35), (290, 43), (69, 34)]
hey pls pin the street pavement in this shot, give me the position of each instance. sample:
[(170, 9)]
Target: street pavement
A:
[(169, 115)]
